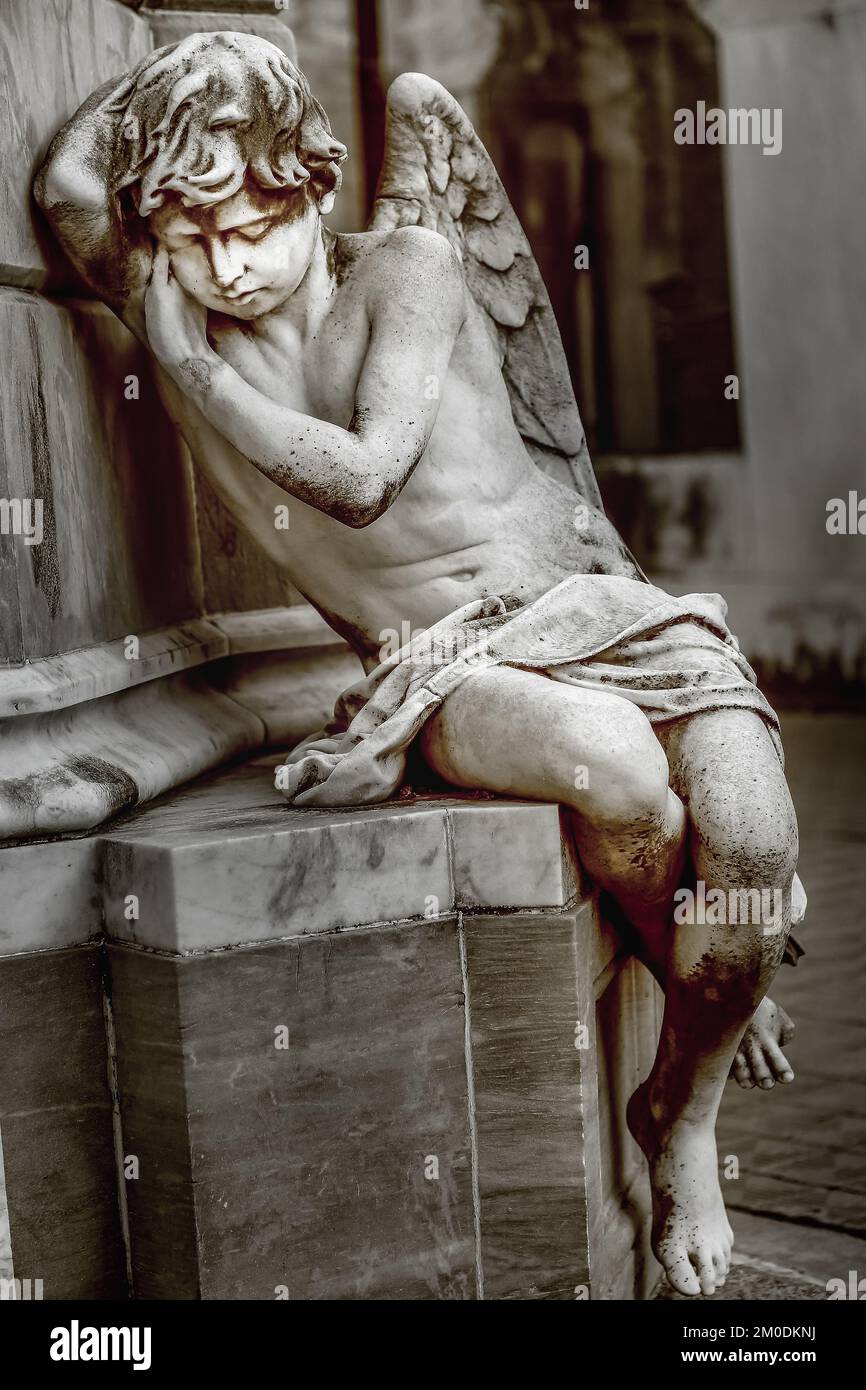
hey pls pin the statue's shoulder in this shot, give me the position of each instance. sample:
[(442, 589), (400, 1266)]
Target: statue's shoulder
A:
[(398, 257)]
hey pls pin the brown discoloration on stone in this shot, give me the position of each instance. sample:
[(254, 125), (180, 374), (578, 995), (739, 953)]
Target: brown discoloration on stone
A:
[(344, 251), (43, 557), (196, 372), (367, 646), (99, 781)]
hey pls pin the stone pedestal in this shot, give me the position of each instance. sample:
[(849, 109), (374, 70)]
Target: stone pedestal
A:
[(266, 1053)]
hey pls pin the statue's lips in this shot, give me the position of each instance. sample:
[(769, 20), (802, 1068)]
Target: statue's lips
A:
[(243, 298)]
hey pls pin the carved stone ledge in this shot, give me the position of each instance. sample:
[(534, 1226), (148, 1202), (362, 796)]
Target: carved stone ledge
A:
[(224, 8), (71, 678), (55, 682), (89, 733), (225, 844), (241, 866), (74, 768)]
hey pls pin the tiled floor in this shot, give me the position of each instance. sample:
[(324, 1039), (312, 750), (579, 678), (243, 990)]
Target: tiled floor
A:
[(802, 1148)]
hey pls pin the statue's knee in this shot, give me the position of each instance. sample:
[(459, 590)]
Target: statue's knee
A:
[(771, 859), (628, 785), (752, 850)]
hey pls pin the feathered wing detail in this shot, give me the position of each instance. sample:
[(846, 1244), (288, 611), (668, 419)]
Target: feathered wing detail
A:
[(437, 174)]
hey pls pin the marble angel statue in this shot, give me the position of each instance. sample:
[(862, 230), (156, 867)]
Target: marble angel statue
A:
[(403, 392)]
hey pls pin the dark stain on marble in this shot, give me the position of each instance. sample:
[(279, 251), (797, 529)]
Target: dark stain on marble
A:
[(43, 557), (118, 790), (153, 1100)]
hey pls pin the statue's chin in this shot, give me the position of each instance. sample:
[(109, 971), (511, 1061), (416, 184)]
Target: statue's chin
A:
[(244, 311)]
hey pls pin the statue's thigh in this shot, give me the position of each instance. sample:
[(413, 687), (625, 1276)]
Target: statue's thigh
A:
[(519, 732), (725, 768)]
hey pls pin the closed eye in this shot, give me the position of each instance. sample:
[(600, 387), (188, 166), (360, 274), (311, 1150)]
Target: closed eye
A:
[(179, 241), (253, 230)]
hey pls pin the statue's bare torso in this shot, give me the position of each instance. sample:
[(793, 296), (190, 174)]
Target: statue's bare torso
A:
[(476, 517)]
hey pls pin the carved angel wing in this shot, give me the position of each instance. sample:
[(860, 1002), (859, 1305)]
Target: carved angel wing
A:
[(437, 174)]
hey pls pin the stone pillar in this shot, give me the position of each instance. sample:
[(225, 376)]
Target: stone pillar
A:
[(87, 724)]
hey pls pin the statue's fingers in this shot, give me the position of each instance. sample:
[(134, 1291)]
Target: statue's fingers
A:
[(782, 1069), (758, 1066)]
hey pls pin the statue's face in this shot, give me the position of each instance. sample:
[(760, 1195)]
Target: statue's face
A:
[(243, 256)]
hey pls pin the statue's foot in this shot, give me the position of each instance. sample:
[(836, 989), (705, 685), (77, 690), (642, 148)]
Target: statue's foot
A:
[(760, 1060), (691, 1236)]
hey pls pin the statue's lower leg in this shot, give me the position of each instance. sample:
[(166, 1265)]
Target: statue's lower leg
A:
[(720, 959), (716, 977), (631, 832)]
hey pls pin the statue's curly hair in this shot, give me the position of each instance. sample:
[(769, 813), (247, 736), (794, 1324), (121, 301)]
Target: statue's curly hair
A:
[(202, 115)]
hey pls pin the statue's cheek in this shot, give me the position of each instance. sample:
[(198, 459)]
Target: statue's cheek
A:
[(189, 266), (264, 271), (268, 254)]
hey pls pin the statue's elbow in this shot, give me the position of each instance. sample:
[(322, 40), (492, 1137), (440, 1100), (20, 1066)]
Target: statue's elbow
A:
[(357, 515), (43, 189), (363, 506), (53, 184), (61, 179)]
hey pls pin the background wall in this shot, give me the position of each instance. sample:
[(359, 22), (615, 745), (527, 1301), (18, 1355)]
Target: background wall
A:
[(800, 302)]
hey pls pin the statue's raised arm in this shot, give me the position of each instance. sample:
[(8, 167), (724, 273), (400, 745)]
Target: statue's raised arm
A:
[(78, 190), (437, 174)]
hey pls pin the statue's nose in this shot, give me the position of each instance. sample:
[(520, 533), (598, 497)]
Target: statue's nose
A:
[(225, 267)]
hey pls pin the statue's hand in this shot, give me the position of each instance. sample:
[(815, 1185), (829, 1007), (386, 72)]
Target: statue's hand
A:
[(176, 325)]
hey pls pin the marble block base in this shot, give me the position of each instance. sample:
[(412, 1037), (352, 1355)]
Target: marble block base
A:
[(57, 1126), (374, 1054)]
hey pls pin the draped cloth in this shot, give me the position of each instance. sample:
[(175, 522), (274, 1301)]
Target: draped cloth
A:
[(673, 657)]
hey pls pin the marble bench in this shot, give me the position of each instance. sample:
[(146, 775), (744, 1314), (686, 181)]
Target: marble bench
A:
[(250, 1052)]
